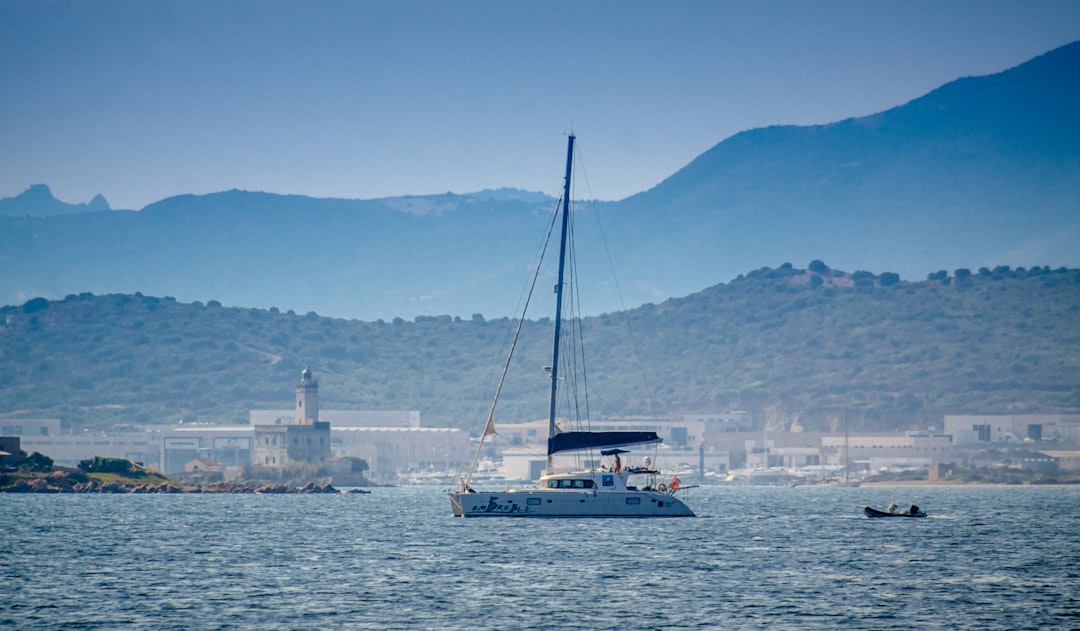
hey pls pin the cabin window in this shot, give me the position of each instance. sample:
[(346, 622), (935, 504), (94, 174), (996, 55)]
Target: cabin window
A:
[(533, 501), (633, 500), (571, 484)]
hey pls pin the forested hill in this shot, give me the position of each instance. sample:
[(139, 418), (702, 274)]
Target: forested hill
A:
[(796, 345)]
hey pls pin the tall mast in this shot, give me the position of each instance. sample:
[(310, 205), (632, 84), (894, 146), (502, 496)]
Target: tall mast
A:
[(559, 298)]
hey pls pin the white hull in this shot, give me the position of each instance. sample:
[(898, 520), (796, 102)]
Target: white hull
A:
[(598, 501), (559, 503)]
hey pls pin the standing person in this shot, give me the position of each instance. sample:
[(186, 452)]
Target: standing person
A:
[(618, 464)]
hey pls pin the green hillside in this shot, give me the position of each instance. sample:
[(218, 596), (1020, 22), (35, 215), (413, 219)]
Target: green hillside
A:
[(796, 346)]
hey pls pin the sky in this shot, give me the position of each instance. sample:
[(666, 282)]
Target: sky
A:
[(140, 101)]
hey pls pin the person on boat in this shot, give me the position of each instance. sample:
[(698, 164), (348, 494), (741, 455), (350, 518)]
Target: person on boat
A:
[(892, 508), (618, 464), (914, 510)]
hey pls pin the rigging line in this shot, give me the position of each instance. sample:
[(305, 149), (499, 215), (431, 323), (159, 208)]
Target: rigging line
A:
[(489, 426), (624, 314), (579, 334), (514, 442), (580, 378), (523, 297), (576, 294), (580, 162)]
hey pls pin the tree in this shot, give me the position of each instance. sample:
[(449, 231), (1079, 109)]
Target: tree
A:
[(100, 464), (888, 279), (34, 305), (36, 462), (863, 278), (818, 266)]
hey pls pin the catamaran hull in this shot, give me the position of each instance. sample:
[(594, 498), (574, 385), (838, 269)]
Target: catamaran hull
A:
[(549, 503)]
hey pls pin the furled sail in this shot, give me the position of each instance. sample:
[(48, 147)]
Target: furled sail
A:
[(576, 441)]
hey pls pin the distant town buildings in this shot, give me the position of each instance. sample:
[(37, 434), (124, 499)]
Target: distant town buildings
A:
[(394, 444)]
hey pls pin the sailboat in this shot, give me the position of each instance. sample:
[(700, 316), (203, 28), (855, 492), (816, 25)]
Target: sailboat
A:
[(611, 490)]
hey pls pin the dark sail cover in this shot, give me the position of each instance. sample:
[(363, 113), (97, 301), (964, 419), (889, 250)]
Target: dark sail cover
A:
[(575, 441)]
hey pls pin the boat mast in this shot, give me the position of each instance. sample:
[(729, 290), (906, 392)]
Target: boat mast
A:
[(559, 300)]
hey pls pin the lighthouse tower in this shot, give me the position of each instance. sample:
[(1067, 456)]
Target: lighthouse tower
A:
[(307, 399)]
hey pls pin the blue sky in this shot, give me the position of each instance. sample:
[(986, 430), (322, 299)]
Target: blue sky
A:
[(140, 100)]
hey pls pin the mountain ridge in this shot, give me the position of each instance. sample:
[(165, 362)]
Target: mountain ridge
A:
[(38, 201), (979, 172)]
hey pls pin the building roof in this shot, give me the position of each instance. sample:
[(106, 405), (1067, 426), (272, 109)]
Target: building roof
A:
[(1061, 454), (213, 428), (397, 429)]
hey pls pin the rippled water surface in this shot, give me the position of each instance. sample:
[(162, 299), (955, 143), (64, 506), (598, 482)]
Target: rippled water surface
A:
[(804, 557)]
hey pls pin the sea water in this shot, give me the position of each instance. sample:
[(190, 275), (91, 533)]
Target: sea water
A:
[(756, 558)]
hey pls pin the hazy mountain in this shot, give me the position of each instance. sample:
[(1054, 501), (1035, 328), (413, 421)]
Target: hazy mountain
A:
[(982, 171), (38, 201), (377, 258)]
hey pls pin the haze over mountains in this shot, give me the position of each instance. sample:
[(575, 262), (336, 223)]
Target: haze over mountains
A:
[(981, 172)]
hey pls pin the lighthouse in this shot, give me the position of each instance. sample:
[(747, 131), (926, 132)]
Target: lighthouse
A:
[(307, 399)]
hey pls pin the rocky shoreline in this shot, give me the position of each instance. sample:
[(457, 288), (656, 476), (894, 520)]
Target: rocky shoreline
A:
[(73, 481)]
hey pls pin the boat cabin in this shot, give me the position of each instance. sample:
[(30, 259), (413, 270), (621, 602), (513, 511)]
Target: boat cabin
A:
[(604, 480)]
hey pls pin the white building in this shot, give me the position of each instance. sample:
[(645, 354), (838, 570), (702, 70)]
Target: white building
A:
[(393, 450), (30, 427), (979, 430), (909, 450)]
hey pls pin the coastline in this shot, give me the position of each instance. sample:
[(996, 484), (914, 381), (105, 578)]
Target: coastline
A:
[(66, 480), (1070, 483)]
